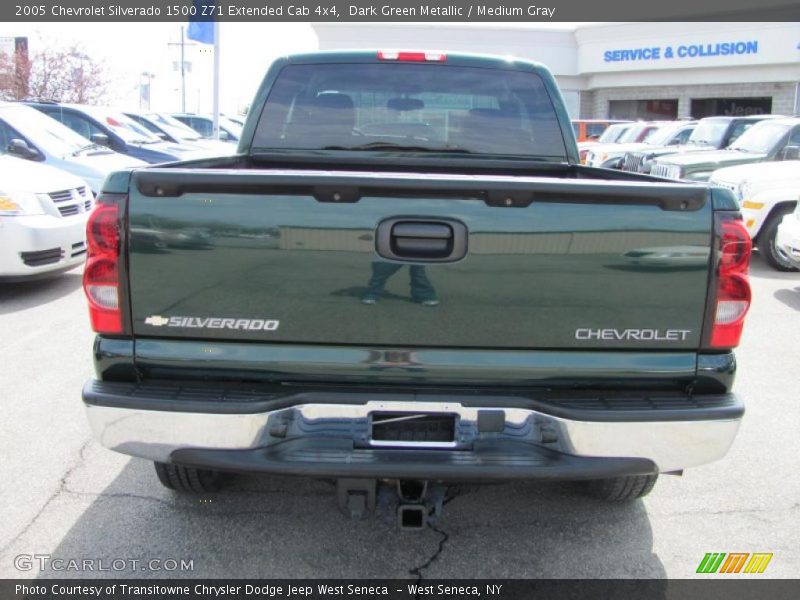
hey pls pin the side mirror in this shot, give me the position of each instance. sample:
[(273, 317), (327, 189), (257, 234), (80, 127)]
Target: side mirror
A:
[(224, 135), (101, 139), (791, 153), (20, 149), (163, 136)]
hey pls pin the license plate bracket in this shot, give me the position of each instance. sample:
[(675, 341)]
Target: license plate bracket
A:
[(413, 429)]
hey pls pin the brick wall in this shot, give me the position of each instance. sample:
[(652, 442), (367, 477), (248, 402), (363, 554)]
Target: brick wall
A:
[(594, 103)]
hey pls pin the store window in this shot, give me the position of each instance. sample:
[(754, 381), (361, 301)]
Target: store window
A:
[(730, 107), (650, 110)]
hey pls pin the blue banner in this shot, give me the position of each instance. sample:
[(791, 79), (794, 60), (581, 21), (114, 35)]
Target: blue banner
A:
[(201, 26)]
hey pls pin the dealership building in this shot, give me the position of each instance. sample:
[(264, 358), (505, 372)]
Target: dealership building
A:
[(624, 70)]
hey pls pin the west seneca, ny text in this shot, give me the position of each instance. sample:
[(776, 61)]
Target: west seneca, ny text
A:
[(256, 590)]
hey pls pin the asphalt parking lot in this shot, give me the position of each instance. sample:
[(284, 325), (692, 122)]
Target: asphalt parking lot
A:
[(65, 496)]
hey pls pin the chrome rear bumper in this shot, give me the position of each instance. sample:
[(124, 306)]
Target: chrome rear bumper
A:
[(671, 435)]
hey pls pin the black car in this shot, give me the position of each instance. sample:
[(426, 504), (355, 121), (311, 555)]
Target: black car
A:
[(109, 128)]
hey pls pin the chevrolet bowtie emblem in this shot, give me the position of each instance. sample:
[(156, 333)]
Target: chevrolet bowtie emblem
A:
[(156, 321)]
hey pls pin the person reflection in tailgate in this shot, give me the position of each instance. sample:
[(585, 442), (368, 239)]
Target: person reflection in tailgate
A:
[(422, 289)]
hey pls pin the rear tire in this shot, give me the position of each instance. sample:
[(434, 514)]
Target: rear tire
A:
[(766, 240), (187, 479), (621, 489)]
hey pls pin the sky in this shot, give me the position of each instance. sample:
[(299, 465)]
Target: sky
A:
[(129, 50)]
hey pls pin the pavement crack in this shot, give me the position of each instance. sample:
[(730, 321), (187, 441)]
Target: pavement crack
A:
[(180, 504), (730, 511), (62, 488), (115, 495), (442, 541)]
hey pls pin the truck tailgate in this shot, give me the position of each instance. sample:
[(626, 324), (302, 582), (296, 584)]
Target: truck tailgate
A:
[(286, 256)]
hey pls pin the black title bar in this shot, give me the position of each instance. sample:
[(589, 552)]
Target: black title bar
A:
[(522, 11), (730, 588)]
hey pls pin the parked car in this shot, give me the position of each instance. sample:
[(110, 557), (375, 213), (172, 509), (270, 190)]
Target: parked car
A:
[(106, 127), (170, 129), (766, 193), (236, 119), (770, 140), (520, 342), (204, 125), (591, 129), (665, 133), (43, 213), (639, 131), (789, 237), (711, 133), (27, 133), (612, 135)]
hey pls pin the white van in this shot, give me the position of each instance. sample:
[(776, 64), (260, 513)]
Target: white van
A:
[(43, 213), (27, 133)]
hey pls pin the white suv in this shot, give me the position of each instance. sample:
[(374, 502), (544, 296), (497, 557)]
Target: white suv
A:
[(788, 238), (766, 193)]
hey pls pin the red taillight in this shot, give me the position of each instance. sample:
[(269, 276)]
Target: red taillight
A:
[(102, 230), (412, 56), (101, 274), (735, 248), (733, 287)]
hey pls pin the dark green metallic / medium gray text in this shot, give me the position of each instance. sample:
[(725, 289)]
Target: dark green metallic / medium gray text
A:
[(452, 10)]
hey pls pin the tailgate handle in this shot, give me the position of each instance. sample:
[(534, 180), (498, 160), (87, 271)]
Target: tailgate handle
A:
[(418, 240), (422, 230)]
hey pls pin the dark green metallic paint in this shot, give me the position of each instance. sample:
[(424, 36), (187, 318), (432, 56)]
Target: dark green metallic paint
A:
[(117, 182), (509, 310), (114, 359), (532, 276), (169, 359), (291, 362), (715, 372), (723, 199)]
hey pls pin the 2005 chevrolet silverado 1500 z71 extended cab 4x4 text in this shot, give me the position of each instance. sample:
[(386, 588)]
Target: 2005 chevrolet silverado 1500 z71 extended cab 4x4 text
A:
[(405, 275)]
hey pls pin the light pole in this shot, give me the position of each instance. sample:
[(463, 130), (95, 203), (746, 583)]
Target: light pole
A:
[(183, 67), (144, 90)]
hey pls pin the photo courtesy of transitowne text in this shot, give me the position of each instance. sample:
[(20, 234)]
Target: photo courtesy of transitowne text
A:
[(398, 299)]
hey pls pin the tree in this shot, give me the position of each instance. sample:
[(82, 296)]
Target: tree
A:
[(14, 74), (60, 74)]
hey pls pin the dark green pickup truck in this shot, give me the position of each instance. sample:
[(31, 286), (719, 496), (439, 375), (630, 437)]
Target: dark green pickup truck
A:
[(405, 275)]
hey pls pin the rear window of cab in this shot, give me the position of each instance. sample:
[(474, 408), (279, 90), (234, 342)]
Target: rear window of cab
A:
[(411, 106)]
